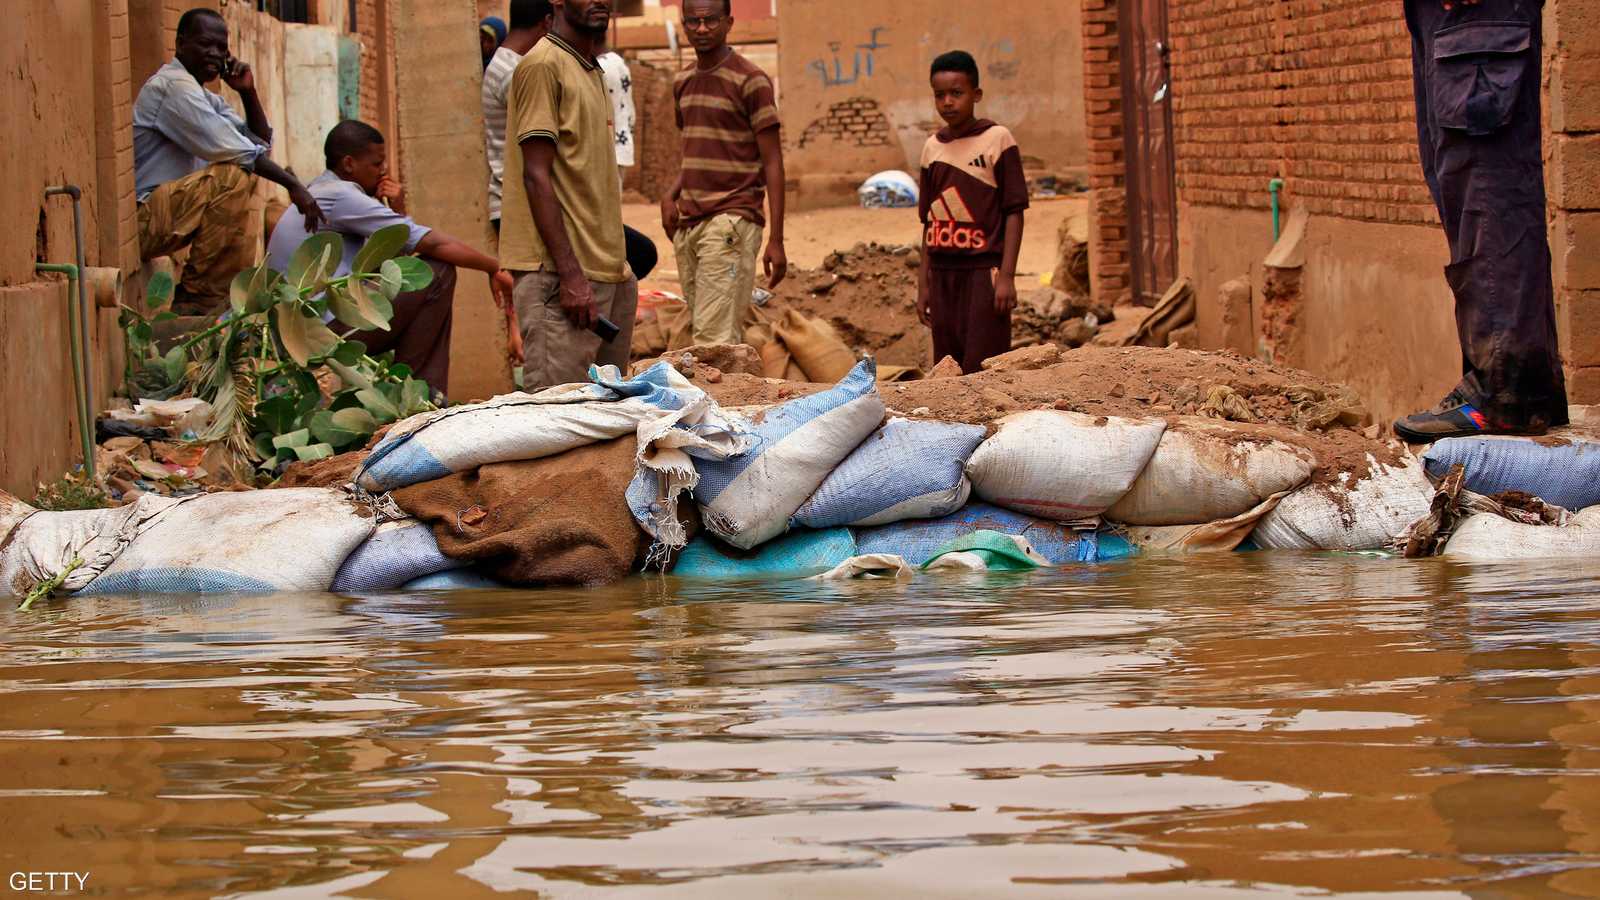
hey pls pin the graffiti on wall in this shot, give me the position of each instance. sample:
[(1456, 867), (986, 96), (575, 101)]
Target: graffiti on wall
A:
[(862, 60)]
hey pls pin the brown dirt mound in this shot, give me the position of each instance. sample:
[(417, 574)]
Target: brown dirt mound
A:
[(1131, 381), (869, 295)]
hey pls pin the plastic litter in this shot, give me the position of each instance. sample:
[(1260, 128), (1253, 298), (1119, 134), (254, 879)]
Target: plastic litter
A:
[(891, 189), (908, 469)]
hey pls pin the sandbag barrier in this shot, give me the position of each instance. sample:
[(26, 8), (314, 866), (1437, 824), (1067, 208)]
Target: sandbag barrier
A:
[(819, 485)]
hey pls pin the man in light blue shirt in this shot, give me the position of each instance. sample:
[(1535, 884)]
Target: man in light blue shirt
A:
[(356, 198), (195, 160)]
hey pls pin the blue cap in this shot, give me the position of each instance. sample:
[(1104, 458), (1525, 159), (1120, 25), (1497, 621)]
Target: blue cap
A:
[(495, 27)]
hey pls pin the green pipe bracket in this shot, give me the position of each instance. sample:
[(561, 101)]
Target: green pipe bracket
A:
[(1275, 186)]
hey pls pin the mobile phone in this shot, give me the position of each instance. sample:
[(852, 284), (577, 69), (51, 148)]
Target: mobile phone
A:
[(227, 66), (606, 328)]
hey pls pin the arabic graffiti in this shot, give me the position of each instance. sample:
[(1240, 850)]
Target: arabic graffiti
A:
[(863, 62)]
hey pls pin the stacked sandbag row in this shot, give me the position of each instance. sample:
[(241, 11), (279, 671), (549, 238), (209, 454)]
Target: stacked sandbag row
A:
[(1560, 472)]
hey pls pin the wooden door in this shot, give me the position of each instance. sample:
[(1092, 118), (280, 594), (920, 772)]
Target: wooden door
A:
[(1148, 150)]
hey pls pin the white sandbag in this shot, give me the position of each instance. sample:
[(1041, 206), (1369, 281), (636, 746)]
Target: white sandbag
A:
[(12, 512), (1204, 471), (1487, 538), (293, 539), (1060, 465), (879, 566), (45, 544), (1221, 536), (908, 469), (398, 553), (1365, 514), (748, 499)]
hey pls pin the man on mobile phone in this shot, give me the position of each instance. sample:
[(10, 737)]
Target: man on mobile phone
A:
[(561, 226), (196, 161)]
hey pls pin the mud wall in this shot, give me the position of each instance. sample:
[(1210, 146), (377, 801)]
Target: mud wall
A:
[(853, 84)]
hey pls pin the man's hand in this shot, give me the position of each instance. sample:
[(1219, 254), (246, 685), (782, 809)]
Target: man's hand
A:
[(577, 301), (391, 190), (924, 306), (670, 216), (240, 77), (1005, 293), (503, 287), (308, 207), (776, 262)]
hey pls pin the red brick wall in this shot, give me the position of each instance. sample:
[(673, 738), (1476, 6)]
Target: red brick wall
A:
[(1108, 220), (1317, 92)]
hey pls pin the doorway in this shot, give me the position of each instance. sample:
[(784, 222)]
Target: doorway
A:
[(1147, 148)]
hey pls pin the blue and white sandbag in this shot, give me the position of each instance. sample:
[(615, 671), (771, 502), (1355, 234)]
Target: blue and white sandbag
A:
[(1566, 475), (38, 547), (908, 469), (257, 542), (397, 553), (917, 542), (796, 553), (522, 426), (749, 498)]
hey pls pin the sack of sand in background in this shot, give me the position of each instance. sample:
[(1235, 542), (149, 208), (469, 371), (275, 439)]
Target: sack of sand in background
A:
[(1061, 465), (1205, 471), (816, 347), (663, 324)]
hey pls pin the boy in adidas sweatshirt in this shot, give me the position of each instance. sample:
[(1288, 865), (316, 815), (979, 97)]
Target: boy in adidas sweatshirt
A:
[(973, 196)]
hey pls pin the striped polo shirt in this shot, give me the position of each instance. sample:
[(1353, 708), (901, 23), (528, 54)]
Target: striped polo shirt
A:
[(720, 111)]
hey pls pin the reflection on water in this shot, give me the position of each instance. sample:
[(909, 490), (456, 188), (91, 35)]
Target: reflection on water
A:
[(1302, 724)]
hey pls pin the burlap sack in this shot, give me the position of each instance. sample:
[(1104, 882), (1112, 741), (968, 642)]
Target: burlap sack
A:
[(816, 347)]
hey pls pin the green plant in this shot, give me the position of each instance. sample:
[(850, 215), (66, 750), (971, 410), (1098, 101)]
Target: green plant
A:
[(73, 491), (148, 372), (259, 367)]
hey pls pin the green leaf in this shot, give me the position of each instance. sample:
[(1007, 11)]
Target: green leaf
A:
[(141, 331), (375, 309), (380, 406), (158, 291), (415, 397), (264, 448), (239, 292), (343, 428), (175, 362), (414, 273), (384, 245), (277, 415), (344, 308), (400, 371), (350, 352), (304, 337), (391, 278), (314, 261), (164, 316), (313, 452), (352, 377), (292, 440)]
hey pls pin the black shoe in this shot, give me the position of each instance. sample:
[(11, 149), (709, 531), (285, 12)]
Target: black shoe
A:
[(1452, 418)]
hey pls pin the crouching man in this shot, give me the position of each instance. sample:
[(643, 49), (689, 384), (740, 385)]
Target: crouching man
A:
[(356, 197), (196, 161)]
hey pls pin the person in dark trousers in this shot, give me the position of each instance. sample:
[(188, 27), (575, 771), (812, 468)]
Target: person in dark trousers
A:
[(1476, 71), (356, 198), (972, 202)]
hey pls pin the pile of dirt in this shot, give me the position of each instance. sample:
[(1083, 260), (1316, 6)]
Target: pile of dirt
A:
[(869, 295), (1324, 418)]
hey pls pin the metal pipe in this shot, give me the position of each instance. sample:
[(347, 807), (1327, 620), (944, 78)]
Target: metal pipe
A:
[(85, 429), (85, 363), (1276, 187)]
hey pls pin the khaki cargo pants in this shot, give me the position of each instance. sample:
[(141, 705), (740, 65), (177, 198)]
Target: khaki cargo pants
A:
[(555, 352), (717, 267), (206, 212)]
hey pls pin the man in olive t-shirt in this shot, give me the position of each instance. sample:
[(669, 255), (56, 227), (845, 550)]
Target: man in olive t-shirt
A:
[(561, 225)]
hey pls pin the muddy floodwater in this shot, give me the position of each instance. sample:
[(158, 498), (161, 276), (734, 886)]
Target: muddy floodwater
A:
[(1254, 723)]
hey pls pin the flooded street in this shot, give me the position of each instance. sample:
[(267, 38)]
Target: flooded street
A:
[(1257, 722)]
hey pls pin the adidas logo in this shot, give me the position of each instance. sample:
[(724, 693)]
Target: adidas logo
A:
[(979, 163), (952, 227)]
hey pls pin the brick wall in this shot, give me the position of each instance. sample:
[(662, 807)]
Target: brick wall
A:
[(858, 122), (1572, 36), (1108, 219), (1317, 92)]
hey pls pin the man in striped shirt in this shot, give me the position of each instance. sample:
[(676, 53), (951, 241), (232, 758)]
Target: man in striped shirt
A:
[(732, 159)]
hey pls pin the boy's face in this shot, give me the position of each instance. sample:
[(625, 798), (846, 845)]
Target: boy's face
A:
[(955, 97), (367, 168)]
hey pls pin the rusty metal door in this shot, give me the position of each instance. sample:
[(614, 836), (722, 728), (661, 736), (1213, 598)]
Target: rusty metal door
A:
[(1148, 150)]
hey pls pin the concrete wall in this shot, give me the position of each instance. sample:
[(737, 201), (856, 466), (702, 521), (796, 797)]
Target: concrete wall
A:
[(438, 92), (311, 102), (853, 81)]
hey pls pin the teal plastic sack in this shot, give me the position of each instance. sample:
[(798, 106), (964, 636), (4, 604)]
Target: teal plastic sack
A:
[(800, 552)]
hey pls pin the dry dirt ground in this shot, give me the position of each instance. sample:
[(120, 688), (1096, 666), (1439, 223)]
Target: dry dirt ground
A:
[(814, 234)]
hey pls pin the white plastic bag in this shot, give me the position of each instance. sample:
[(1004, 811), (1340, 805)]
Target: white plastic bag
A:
[(1487, 538), (1060, 465), (293, 539), (1203, 471), (748, 499), (1365, 514)]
